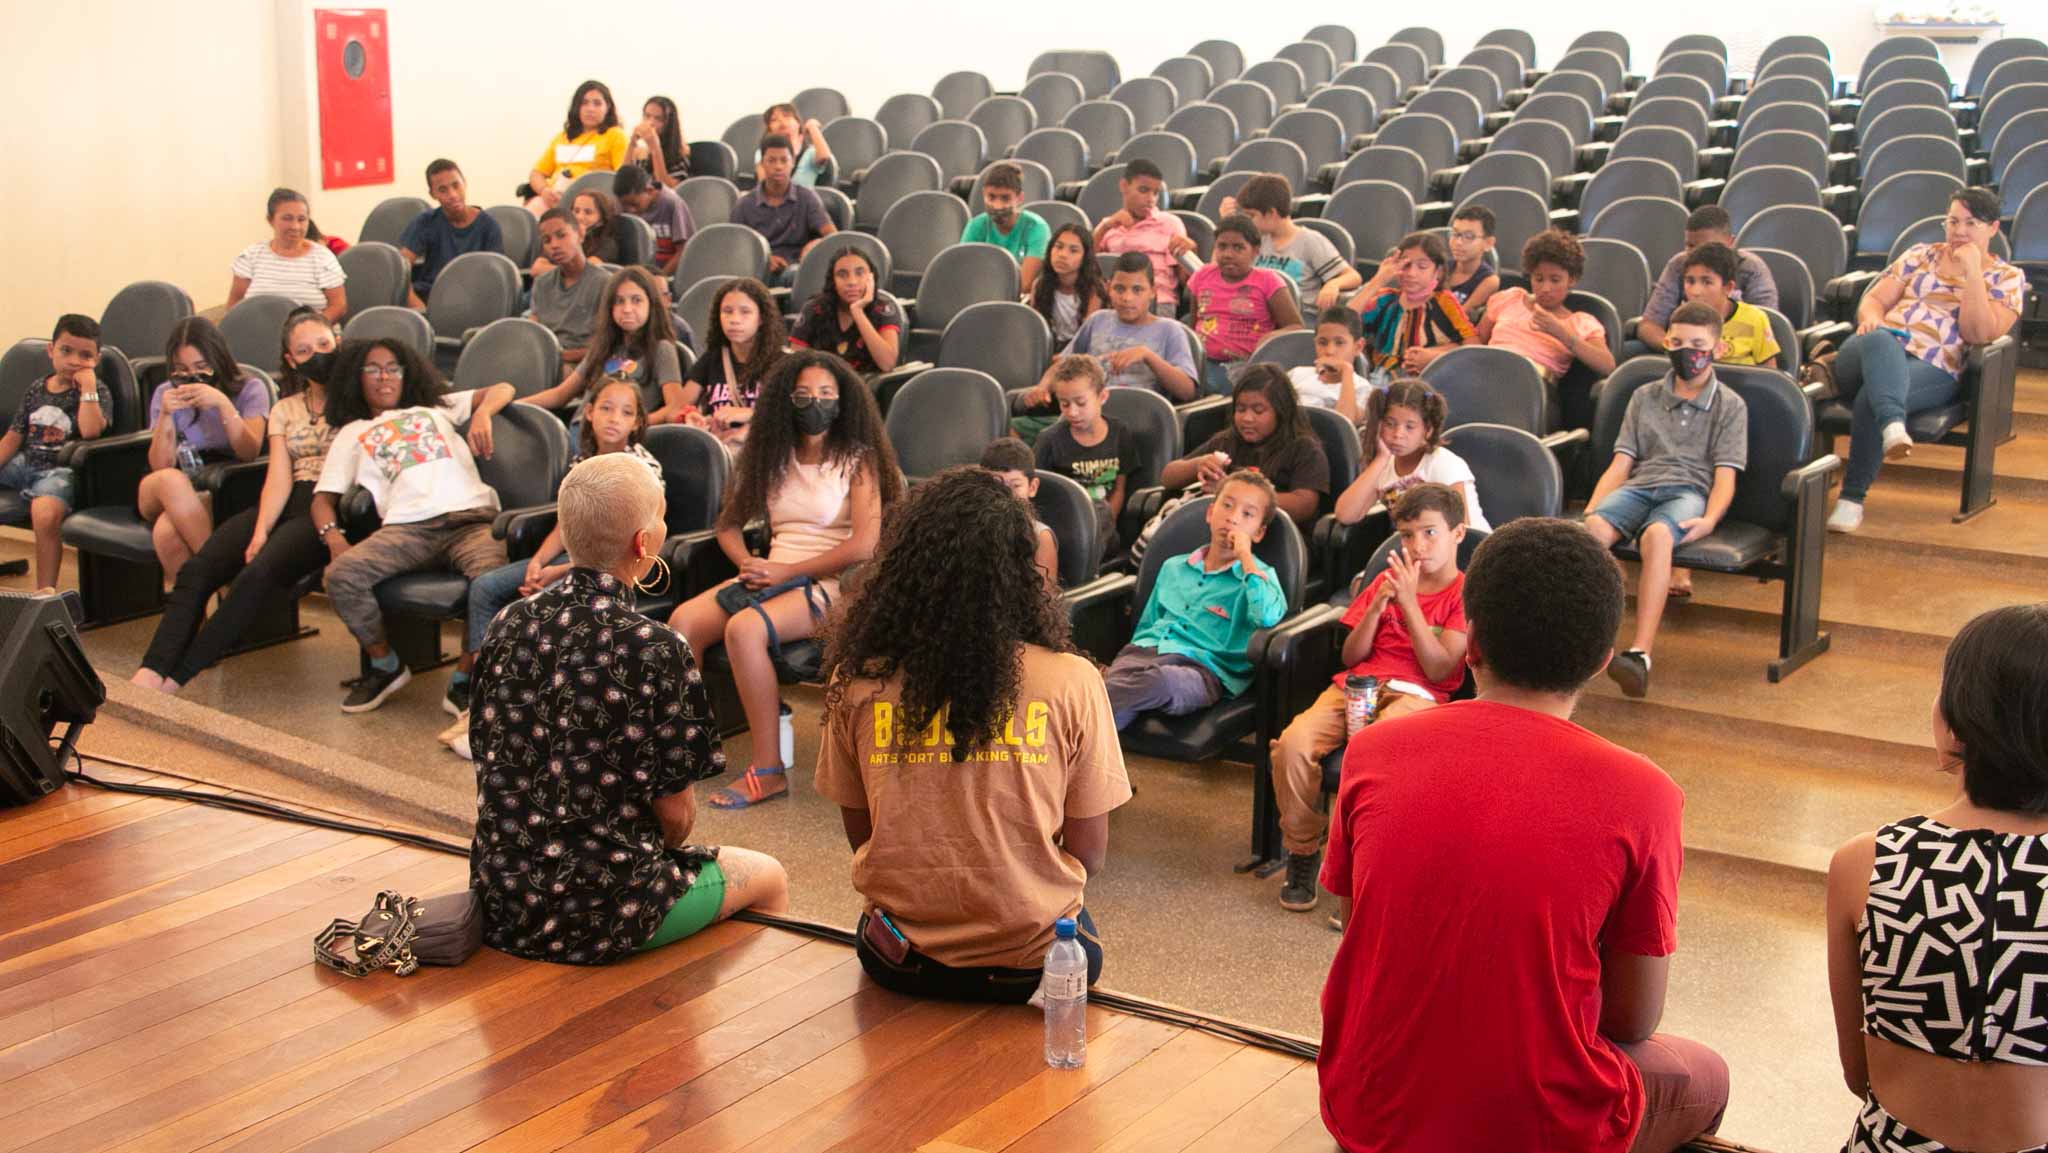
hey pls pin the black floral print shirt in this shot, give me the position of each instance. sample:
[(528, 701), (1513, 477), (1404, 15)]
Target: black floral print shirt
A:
[(584, 713)]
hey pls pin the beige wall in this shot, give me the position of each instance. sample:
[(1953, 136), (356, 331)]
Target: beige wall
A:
[(172, 121)]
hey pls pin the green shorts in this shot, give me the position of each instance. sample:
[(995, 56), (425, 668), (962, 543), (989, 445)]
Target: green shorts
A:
[(693, 910)]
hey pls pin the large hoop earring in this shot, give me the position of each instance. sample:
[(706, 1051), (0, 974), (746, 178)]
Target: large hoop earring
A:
[(660, 582)]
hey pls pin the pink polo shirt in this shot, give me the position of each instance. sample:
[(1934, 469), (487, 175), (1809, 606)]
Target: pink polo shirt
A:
[(1151, 236)]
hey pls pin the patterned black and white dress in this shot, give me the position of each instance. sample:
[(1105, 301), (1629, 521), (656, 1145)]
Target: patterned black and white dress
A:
[(584, 713), (1954, 945)]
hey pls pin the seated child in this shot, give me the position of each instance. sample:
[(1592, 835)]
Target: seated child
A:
[(1093, 448), (1682, 441), (1137, 348), (1407, 421), (565, 298), (1407, 628), (1141, 226), (1268, 434), (1709, 277), (1473, 275), (1188, 650), (639, 193), (1021, 233), (1303, 255), (1011, 459), (1407, 316), (1332, 381), (1071, 290), (450, 229), (1236, 303), (1535, 322), (58, 408)]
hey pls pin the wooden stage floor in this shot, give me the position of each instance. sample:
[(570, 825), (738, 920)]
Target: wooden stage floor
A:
[(157, 992)]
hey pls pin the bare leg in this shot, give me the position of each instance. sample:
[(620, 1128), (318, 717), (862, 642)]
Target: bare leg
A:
[(1655, 545), (46, 517), (701, 621), (171, 552), (746, 646), (752, 881)]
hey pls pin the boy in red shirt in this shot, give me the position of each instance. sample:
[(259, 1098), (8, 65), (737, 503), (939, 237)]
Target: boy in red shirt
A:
[(1509, 888), (1407, 630)]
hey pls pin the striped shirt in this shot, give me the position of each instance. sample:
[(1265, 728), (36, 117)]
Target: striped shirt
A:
[(304, 279)]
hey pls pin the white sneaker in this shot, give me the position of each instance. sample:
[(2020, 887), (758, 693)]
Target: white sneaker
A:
[(1897, 445), (1847, 517)]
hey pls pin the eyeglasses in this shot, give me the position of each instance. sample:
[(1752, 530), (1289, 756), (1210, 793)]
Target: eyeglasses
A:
[(807, 399), (1467, 236), (393, 372)]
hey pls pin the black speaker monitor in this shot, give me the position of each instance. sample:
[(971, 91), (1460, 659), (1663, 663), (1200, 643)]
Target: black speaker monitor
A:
[(45, 681)]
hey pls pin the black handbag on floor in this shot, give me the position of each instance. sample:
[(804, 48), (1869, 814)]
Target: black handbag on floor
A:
[(402, 933)]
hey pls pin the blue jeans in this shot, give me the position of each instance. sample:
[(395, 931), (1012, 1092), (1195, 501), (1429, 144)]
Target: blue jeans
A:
[(784, 279), (1886, 385), (1631, 510), (1216, 377), (490, 593), (31, 482)]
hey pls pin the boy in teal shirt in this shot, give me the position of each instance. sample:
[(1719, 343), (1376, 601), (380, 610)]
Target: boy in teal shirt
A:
[(1005, 225), (1188, 651)]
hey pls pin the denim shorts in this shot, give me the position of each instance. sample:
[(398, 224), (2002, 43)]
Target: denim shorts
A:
[(1631, 510), (58, 481)]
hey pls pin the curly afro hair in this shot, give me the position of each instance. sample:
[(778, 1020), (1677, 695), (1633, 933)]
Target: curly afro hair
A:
[(1555, 246), (951, 621), (1544, 599)]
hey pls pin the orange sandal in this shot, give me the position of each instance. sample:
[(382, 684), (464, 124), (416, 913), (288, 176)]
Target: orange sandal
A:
[(749, 791)]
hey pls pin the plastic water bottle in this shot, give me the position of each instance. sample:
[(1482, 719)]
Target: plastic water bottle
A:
[(1065, 992), (1361, 703), (188, 457), (786, 737)]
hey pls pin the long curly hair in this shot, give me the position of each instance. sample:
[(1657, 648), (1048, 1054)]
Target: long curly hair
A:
[(949, 618), (856, 438), (423, 387), (770, 339)]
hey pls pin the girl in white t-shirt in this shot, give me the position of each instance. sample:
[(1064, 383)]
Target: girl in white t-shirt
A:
[(399, 438), (1407, 418)]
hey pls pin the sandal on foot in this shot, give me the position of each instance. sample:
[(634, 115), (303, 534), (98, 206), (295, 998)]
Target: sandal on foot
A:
[(1678, 593), (748, 790)]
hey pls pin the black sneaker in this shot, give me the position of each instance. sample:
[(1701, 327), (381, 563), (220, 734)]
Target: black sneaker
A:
[(374, 687), (456, 699), (1631, 670), (1298, 894)]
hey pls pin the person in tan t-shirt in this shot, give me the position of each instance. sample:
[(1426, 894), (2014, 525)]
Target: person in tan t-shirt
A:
[(974, 759)]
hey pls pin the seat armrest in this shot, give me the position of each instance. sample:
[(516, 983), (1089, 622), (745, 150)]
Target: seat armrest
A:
[(1812, 475), (886, 385), (236, 486), (1140, 506), (696, 563), (524, 529), (1100, 613), (1560, 439), (1840, 297), (108, 468)]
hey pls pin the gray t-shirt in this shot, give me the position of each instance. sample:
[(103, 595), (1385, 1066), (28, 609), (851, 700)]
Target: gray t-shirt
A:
[(1308, 260), (1102, 333), (571, 312), (1675, 441)]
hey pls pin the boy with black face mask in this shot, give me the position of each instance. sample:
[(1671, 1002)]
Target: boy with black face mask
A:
[(1682, 441)]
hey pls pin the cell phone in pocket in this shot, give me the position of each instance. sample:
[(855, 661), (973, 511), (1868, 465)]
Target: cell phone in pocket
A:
[(882, 936)]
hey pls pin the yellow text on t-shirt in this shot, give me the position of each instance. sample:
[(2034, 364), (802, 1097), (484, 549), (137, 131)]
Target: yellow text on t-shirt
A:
[(934, 734)]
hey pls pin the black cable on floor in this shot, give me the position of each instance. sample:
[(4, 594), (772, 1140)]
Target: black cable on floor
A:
[(1137, 1007)]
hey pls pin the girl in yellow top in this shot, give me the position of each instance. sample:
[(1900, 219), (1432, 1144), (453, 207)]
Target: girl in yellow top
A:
[(590, 140)]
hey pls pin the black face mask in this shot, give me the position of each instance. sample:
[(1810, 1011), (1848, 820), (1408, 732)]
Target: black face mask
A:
[(317, 366), (1688, 363), (817, 416)]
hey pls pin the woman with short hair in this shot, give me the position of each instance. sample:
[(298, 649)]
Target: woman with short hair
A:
[(589, 725)]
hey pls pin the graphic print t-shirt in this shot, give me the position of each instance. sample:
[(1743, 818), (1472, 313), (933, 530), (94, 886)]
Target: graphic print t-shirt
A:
[(45, 421), (1094, 466), (412, 461)]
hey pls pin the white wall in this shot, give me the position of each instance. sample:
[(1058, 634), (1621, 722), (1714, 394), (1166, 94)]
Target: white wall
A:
[(172, 122)]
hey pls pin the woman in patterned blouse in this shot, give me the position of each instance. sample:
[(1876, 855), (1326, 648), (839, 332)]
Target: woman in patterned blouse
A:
[(1913, 330), (589, 724)]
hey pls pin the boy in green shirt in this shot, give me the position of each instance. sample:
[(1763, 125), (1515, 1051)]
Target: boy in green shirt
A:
[(1007, 226), (1188, 651)]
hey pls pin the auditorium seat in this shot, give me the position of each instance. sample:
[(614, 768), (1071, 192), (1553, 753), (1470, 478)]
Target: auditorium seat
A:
[(387, 220), (393, 322), (906, 114), (1063, 506), (1051, 95), (891, 178), (254, 328), (945, 417), (959, 277), (475, 289), (512, 350)]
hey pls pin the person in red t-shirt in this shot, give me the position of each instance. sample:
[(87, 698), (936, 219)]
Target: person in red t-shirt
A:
[(1509, 887), (1408, 630)]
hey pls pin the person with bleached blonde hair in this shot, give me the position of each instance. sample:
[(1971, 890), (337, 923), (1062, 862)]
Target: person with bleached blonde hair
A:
[(589, 724)]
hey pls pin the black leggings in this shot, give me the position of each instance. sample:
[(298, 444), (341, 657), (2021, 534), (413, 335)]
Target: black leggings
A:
[(182, 649), (920, 976)]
